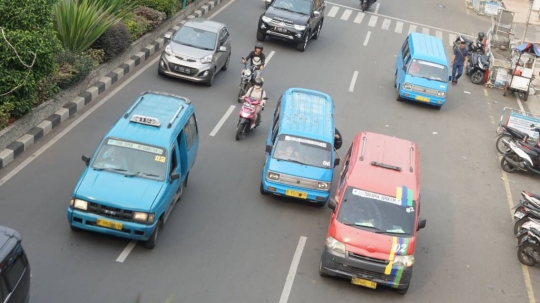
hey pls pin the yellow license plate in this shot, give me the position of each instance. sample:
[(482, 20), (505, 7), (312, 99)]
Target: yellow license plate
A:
[(296, 194), (423, 99), (109, 224), (365, 283)]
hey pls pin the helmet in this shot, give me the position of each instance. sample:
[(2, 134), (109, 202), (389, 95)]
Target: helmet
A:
[(258, 81), (481, 35), (259, 45)]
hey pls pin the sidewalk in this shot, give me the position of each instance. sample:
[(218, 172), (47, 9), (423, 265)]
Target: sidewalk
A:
[(521, 10)]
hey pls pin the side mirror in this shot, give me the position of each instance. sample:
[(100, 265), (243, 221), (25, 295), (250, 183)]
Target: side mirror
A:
[(175, 176), (336, 162), (404, 68), (168, 36), (421, 224), (332, 204), (316, 14), (268, 148), (86, 160), (222, 49)]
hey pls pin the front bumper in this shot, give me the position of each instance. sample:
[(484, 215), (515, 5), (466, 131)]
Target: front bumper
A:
[(279, 189), (197, 72), (130, 230), (433, 100), (350, 267), (275, 31)]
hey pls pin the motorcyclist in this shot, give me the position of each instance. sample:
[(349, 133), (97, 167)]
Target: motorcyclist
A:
[(256, 92), (257, 59)]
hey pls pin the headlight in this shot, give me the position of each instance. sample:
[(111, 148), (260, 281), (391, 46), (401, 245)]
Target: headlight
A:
[(207, 59), (266, 19), (323, 185), (440, 94), (247, 72), (143, 217), (406, 261), (299, 27), (79, 204), (407, 86), (272, 176), (335, 247), (168, 50)]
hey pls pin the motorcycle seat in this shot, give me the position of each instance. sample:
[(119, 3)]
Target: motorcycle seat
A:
[(515, 132)]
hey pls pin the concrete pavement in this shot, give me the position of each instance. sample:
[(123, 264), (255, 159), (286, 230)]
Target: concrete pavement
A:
[(225, 242)]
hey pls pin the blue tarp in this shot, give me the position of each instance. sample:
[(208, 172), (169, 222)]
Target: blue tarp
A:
[(528, 47)]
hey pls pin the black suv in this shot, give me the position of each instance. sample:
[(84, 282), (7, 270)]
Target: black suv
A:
[(292, 20), (14, 268)]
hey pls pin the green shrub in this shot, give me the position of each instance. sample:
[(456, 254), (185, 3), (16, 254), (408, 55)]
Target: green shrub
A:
[(98, 55), (73, 68), (114, 41), (137, 26), (28, 28), (166, 6), (45, 90), (153, 17)]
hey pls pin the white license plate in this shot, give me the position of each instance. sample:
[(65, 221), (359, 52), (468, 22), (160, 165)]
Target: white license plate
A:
[(519, 215)]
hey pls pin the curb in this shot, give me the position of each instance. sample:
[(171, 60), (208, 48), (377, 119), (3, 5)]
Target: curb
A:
[(16, 148)]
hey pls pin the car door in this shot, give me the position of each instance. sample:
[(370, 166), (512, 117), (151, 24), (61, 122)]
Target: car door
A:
[(405, 59), (222, 56), (315, 4), (318, 6), (172, 188)]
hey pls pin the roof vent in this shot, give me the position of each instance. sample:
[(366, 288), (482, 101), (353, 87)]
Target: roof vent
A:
[(379, 164)]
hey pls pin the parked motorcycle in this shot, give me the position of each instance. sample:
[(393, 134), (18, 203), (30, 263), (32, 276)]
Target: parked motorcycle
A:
[(512, 134), (366, 4), (522, 159), (245, 80), (473, 47), (531, 224), (478, 64), (523, 214), (528, 251), (248, 117)]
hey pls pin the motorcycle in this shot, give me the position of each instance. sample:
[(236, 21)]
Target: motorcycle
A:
[(245, 79), (522, 159), (248, 117), (478, 64), (528, 252), (523, 213), (366, 4), (512, 134), (531, 224), (473, 47)]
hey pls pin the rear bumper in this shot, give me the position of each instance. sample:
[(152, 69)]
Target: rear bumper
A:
[(130, 230), (348, 268)]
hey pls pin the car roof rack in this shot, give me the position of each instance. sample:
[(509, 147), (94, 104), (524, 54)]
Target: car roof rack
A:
[(379, 164)]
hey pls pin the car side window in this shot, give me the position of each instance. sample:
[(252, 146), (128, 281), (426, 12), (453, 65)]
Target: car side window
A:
[(223, 35), (191, 131), (14, 273), (405, 50), (276, 113), (316, 5), (407, 59), (345, 167), (174, 160)]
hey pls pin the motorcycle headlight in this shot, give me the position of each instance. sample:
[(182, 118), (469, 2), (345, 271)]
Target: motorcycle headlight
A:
[(407, 86), (143, 217), (79, 204), (406, 261), (207, 59), (335, 247), (299, 27), (168, 50), (266, 19), (323, 185), (272, 176), (247, 73)]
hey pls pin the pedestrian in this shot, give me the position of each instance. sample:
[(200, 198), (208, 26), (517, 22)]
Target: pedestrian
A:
[(460, 59)]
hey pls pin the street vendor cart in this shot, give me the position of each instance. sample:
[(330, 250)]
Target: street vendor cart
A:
[(523, 63)]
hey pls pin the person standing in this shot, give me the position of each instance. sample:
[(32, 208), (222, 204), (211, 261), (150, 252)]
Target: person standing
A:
[(460, 59)]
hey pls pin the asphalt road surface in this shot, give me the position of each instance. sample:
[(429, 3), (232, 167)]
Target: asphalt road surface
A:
[(225, 242)]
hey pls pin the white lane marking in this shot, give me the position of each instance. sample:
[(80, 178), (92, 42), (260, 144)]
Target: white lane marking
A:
[(220, 10), (373, 21), (412, 28), (425, 31), (519, 103), (270, 55), (438, 34), (92, 109), (353, 81), (292, 270), (386, 24), (333, 11), (359, 17), (367, 38), (346, 14), (399, 19), (486, 92), (377, 8), (222, 120), (122, 257), (451, 39), (399, 27)]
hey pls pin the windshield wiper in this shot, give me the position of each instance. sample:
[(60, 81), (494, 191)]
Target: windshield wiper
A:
[(375, 229), (109, 169), (294, 161), (148, 174)]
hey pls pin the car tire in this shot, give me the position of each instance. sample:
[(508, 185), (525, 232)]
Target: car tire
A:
[(395, 79), (260, 36), (210, 82), (438, 107), (152, 241), (398, 96), (74, 229), (226, 65), (322, 273), (302, 45), (263, 192), (318, 31)]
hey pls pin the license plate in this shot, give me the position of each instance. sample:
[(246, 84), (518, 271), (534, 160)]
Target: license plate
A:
[(109, 224), (519, 215), (296, 194), (423, 99), (280, 30), (182, 69), (365, 283)]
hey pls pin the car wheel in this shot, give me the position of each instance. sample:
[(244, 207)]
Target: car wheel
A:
[(395, 79), (318, 30), (403, 290), (302, 45), (152, 241), (226, 66), (74, 229), (398, 96), (263, 192), (211, 81), (260, 36)]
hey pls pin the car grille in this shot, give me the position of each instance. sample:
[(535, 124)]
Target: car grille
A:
[(186, 59), (110, 212), (423, 90), (356, 256), (300, 182), (282, 23), (363, 272), (192, 71)]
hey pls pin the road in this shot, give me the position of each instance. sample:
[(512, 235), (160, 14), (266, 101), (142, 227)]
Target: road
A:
[(225, 242)]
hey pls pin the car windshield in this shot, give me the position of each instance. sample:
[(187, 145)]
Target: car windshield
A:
[(195, 37), (428, 70), (377, 213), (303, 151), (131, 159), (297, 6)]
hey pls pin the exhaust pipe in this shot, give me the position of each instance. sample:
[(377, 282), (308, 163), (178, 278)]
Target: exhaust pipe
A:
[(514, 163)]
